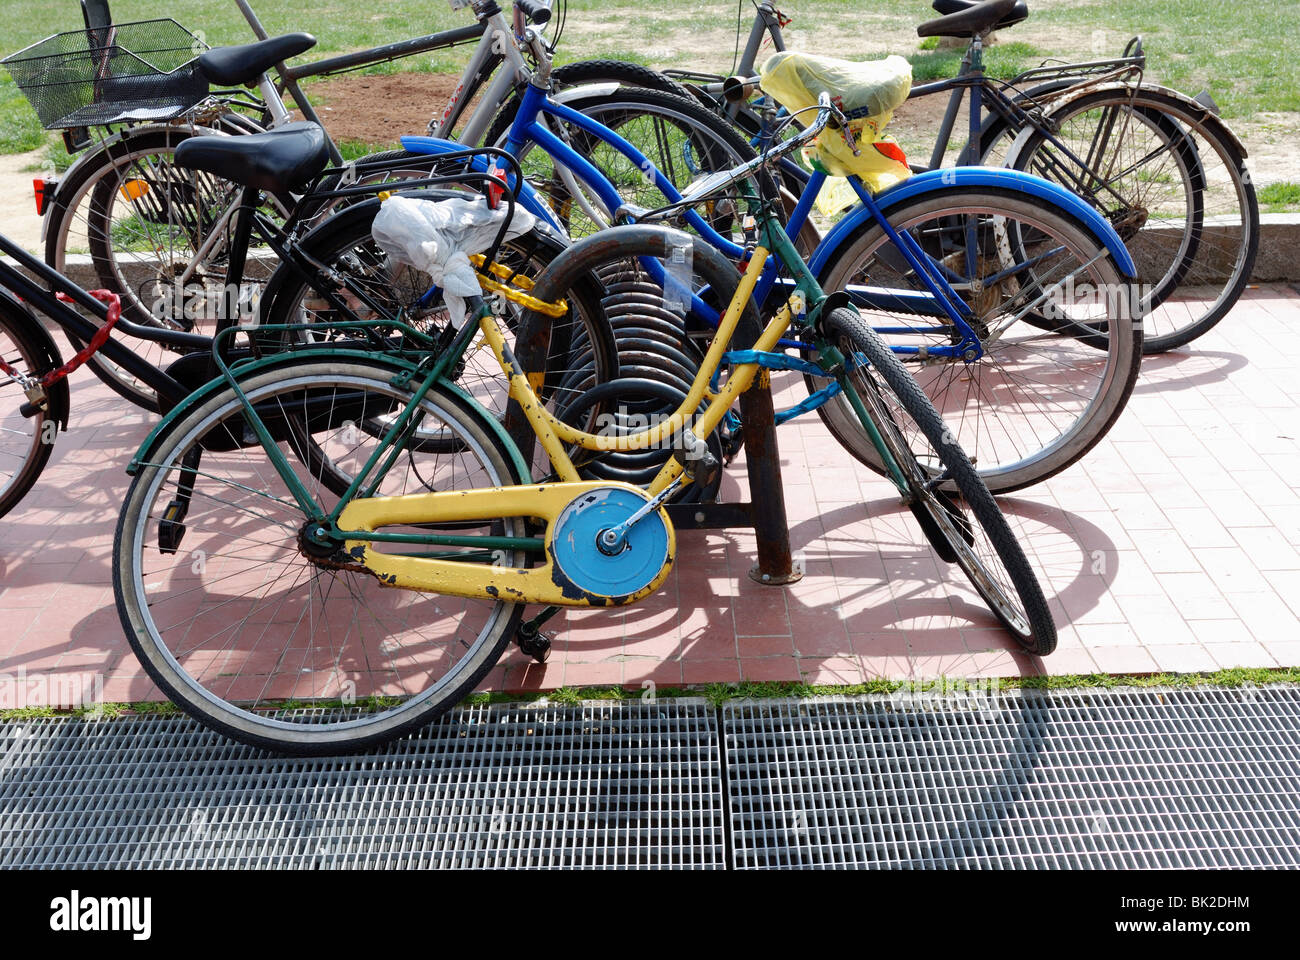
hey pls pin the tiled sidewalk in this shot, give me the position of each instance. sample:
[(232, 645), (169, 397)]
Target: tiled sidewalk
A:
[(1172, 547)]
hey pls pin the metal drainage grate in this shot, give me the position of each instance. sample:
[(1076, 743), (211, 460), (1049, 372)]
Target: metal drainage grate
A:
[(1122, 778), (516, 785)]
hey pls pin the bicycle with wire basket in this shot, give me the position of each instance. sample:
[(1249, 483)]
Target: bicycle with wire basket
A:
[(290, 634), (157, 236)]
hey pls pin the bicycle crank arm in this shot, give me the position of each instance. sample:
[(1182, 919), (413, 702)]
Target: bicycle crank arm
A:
[(575, 573)]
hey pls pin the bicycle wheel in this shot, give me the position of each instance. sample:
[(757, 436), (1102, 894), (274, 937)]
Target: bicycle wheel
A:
[(156, 236), (238, 626), (344, 244), (967, 529), (25, 442), (681, 138), (1038, 399), (1175, 188)]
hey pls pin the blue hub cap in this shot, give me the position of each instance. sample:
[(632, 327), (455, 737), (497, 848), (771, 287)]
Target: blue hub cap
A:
[(583, 563)]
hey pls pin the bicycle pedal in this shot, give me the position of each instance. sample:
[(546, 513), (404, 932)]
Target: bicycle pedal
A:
[(171, 528), (534, 643)]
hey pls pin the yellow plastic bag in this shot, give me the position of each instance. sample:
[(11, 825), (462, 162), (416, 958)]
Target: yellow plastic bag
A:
[(835, 197), (867, 92)]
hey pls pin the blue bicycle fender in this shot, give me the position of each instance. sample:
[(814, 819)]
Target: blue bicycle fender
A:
[(938, 180), (526, 196)]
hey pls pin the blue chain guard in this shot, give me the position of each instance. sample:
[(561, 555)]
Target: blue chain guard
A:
[(574, 550)]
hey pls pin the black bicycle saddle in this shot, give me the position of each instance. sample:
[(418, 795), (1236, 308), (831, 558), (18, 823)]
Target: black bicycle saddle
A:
[(966, 18), (279, 160), (233, 66)]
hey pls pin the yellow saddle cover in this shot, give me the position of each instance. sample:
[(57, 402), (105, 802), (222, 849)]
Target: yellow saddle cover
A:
[(866, 92)]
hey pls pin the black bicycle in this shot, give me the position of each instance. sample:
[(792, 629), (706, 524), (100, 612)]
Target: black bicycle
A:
[(1162, 166), (133, 92), (335, 271)]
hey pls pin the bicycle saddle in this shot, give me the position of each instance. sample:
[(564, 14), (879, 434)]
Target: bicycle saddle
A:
[(233, 66), (966, 19), (1018, 13), (868, 88), (277, 161)]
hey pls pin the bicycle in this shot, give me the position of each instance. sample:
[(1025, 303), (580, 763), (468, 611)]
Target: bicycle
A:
[(319, 654), (33, 375), (993, 336), (155, 236), (1163, 167)]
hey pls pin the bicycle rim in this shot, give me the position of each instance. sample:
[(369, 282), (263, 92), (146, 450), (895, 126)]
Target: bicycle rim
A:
[(25, 442), (1038, 399), (965, 525), (245, 632)]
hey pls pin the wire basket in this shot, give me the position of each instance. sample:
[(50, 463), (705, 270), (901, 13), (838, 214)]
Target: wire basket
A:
[(129, 71)]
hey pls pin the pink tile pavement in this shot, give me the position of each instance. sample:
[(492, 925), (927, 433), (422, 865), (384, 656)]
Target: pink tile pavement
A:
[(1174, 546)]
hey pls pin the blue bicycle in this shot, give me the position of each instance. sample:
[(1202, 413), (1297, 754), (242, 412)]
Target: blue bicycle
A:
[(1007, 296)]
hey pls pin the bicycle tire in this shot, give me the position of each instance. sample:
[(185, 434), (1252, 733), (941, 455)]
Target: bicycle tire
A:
[(1223, 225), (703, 135), (579, 74), (263, 675), (344, 242), (1017, 433), (26, 439), (953, 537)]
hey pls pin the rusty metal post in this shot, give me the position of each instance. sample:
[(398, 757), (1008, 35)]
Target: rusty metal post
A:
[(767, 495)]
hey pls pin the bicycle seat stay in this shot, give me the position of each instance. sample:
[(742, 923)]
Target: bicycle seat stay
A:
[(278, 160)]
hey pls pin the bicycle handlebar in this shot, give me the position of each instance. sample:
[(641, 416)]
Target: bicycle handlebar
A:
[(534, 11), (826, 112)]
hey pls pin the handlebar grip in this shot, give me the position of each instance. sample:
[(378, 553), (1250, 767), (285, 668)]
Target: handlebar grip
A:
[(534, 11), (738, 89)]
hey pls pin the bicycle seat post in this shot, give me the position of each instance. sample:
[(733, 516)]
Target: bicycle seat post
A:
[(231, 295), (954, 105), (973, 65)]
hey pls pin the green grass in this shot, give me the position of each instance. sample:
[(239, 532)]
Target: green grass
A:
[(20, 131), (1239, 52), (1282, 197), (720, 693), (1001, 62)]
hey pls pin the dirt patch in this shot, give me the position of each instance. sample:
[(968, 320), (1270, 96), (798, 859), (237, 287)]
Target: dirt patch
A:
[(916, 126), (1273, 141), (17, 206), (379, 109)]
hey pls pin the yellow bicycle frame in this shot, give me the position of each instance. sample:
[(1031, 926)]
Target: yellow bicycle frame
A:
[(544, 584)]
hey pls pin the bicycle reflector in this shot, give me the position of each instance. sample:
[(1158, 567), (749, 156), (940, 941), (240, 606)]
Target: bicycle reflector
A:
[(133, 188), (891, 150), (43, 189), (495, 186)]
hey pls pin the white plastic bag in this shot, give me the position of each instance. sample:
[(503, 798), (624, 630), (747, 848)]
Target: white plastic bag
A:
[(437, 237)]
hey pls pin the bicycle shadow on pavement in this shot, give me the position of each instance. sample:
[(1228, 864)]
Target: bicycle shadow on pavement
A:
[(1186, 370)]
